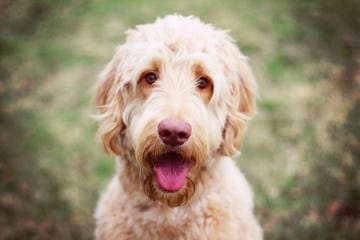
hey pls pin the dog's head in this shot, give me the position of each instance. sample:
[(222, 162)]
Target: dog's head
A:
[(175, 95)]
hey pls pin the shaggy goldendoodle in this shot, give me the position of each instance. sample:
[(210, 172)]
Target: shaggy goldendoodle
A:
[(173, 104)]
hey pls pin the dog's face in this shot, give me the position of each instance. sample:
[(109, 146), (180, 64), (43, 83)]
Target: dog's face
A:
[(174, 96)]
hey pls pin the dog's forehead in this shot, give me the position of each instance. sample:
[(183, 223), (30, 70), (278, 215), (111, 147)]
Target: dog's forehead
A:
[(176, 32)]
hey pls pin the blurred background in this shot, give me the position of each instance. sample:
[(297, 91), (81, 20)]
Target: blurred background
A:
[(301, 153)]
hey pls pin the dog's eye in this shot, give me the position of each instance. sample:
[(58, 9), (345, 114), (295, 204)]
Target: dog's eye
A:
[(150, 78), (203, 83)]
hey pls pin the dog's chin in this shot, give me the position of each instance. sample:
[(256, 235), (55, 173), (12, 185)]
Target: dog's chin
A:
[(169, 182)]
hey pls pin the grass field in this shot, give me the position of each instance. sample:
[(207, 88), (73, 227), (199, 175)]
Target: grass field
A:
[(301, 153)]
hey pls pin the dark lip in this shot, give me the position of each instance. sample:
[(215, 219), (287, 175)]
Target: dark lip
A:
[(190, 161), (167, 191), (173, 154), (170, 155)]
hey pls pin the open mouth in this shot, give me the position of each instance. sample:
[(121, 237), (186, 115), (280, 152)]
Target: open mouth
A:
[(171, 171)]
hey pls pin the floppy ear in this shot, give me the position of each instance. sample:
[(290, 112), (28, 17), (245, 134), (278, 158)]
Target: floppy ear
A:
[(241, 104), (110, 104)]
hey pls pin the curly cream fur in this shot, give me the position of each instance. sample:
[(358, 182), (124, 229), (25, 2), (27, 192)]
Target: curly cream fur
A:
[(216, 200)]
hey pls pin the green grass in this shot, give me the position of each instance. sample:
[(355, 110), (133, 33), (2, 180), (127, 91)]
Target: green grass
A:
[(53, 168)]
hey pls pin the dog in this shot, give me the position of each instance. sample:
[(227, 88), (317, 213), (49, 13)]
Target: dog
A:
[(172, 107)]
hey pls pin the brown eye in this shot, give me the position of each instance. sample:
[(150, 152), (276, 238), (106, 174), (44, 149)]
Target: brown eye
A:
[(203, 83), (150, 78)]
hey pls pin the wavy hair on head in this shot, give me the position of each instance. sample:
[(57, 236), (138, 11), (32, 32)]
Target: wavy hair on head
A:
[(241, 102), (111, 95)]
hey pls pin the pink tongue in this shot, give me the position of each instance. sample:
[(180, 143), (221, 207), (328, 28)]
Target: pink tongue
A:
[(171, 172)]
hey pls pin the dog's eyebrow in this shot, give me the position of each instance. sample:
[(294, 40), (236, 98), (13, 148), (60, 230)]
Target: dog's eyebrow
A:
[(200, 69), (148, 65)]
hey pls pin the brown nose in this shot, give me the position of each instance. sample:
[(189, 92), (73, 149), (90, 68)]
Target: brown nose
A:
[(174, 132)]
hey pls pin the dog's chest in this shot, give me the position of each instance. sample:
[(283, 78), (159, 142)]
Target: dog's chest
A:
[(192, 222)]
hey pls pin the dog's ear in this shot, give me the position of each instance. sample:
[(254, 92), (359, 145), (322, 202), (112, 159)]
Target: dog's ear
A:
[(110, 103), (241, 104)]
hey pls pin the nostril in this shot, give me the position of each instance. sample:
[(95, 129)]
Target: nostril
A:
[(183, 135), (164, 133)]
